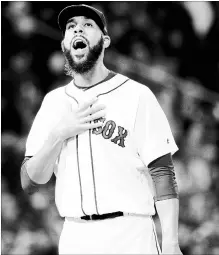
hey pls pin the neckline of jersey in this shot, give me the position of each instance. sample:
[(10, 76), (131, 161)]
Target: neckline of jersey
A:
[(109, 76)]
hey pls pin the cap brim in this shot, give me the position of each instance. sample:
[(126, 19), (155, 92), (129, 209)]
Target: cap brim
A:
[(78, 10)]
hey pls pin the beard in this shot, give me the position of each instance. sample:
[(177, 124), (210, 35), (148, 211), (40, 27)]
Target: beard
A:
[(85, 66)]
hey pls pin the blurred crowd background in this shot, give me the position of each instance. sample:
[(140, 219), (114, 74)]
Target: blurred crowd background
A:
[(172, 47)]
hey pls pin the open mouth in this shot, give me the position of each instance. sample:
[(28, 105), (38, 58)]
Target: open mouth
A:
[(79, 44)]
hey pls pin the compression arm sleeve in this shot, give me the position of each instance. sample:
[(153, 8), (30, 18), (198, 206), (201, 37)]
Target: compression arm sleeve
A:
[(163, 176)]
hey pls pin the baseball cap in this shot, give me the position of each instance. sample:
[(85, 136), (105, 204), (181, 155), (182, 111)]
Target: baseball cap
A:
[(81, 10)]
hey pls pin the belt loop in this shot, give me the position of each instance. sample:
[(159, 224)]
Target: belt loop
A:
[(91, 218)]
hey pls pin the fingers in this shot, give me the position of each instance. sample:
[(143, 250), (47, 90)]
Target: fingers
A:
[(94, 116), (87, 104), (92, 125), (92, 110)]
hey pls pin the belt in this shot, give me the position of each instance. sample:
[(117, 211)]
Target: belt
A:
[(102, 216)]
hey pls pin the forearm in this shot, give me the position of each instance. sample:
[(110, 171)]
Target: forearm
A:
[(166, 197), (40, 167), (168, 213)]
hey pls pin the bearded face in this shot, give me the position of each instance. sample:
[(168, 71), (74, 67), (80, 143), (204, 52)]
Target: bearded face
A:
[(81, 65)]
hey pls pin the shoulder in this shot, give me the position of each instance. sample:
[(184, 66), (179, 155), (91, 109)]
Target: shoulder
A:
[(54, 98), (141, 92), (142, 89), (56, 94)]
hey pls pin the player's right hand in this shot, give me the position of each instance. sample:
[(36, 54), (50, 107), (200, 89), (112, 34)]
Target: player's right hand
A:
[(81, 119)]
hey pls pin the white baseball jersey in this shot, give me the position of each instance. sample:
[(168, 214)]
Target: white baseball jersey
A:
[(105, 170)]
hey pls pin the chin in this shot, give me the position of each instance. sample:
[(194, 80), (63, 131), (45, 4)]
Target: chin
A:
[(79, 59)]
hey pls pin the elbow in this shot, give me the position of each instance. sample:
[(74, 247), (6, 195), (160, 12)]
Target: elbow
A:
[(29, 190), (28, 186)]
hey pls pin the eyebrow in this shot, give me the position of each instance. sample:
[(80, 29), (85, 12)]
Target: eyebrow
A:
[(73, 20)]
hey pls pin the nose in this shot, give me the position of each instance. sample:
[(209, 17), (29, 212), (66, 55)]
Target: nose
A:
[(78, 29)]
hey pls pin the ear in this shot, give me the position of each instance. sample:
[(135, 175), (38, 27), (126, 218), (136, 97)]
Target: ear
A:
[(62, 45), (106, 41)]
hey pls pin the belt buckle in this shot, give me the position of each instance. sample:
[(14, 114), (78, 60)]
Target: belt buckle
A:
[(91, 217)]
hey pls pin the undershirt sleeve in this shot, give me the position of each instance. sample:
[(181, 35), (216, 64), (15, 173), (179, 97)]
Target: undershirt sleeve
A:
[(163, 176)]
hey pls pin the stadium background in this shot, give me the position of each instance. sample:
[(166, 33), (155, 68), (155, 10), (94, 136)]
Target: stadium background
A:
[(172, 47)]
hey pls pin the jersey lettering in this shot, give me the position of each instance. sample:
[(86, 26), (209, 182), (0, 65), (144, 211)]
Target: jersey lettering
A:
[(98, 130), (122, 133), (108, 130)]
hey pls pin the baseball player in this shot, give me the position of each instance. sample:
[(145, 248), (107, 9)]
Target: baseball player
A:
[(109, 144)]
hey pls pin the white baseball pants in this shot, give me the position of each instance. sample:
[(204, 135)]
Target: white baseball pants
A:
[(121, 235)]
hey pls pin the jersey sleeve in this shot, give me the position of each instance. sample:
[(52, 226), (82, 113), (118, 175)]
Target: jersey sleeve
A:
[(41, 127), (152, 130)]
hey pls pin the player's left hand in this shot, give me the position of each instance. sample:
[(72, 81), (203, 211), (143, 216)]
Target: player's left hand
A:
[(171, 249)]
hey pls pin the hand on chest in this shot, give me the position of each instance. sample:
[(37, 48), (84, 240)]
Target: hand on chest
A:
[(115, 126)]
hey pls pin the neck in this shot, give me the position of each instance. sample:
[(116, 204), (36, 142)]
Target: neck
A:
[(97, 74)]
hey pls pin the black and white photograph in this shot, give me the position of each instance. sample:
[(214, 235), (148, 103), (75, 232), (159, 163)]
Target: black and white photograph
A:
[(109, 127)]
